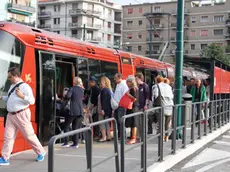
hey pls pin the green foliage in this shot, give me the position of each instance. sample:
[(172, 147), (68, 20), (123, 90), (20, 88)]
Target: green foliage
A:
[(216, 52)]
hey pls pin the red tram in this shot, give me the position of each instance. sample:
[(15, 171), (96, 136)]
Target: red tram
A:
[(49, 61)]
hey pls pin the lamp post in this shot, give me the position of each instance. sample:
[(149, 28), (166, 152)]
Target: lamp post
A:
[(179, 60)]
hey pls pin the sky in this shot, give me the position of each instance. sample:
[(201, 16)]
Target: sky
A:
[(126, 2)]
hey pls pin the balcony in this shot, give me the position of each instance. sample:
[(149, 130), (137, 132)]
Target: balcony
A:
[(93, 26), (117, 31), (174, 25), (173, 39), (93, 12), (94, 40), (74, 25), (76, 36), (186, 38), (45, 26), (75, 12), (154, 52), (118, 19), (154, 40), (44, 14), (186, 12), (156, 26), (20, 9), (21, 22), (228, 22)]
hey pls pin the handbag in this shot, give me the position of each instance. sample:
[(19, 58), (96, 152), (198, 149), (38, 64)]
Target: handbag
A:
[(126, 102), (157, 101), (113, 102), (65, 108)]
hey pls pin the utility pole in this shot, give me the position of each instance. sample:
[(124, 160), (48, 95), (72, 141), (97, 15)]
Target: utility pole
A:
[(179, 60), (65, 16), (84, 32)]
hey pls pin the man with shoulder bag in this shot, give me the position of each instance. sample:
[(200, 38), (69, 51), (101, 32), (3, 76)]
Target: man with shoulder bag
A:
[(19, 98)]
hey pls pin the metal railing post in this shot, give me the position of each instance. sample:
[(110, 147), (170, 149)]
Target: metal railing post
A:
[(228, 110), (211, 116), (160, 138), (215, 115), (219, 114), (89, 148), (193, 123), (199, 110), (225, 111), (184, 140), (122, 135), (115, 137), (146, 114), (174, 122), (51, 154), (206, 118), (143, 133)]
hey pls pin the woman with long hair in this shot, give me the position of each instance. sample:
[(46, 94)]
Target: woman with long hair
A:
[(133, 121), (104, 108)]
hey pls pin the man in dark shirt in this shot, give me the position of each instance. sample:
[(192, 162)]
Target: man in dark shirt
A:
[(93, 100), (143, 97), (144, 92)]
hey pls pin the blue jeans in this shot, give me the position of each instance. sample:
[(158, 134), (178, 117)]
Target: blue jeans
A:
[(119, 113)]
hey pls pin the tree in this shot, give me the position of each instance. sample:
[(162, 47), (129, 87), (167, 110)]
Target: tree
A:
[(216, 52)]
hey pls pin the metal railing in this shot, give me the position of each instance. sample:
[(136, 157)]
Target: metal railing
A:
[(216, 112), (142, 142), (89, 146)]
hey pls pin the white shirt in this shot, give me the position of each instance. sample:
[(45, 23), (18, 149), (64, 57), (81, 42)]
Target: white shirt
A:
[(120, 90), (167, 96), (15, 103)]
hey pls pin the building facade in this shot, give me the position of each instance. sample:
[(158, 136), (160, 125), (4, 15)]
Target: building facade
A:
[(19, 11), (205, 22), (96, 21)]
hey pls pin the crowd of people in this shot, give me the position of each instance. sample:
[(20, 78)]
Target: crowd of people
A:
[(81, 107)]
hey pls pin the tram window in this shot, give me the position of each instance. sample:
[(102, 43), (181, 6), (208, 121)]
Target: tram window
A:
[(140, 70), (163, 73), (11, 55), (83, 71), (64, 76), (94, 68), (109, 69), (148, 79)]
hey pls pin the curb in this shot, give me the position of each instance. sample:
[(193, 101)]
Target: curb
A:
[(181, 154)]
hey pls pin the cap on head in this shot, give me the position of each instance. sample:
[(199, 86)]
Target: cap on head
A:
[(92, 78)]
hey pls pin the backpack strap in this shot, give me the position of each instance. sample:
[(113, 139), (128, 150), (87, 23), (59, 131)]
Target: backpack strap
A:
[(12, 90)]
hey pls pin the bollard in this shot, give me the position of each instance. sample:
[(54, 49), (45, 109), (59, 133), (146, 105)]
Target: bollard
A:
[(187, 100)]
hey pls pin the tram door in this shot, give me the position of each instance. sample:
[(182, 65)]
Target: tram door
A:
[(46, 98)]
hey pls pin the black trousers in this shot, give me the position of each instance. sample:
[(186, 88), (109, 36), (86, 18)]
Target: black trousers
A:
[(152, 118), (96, 129), (76, 122)]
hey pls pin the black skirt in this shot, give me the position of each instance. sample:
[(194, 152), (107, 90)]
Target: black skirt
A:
[(131, 122)]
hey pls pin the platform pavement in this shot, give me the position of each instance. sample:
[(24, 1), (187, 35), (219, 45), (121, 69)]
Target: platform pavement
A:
[(72, 159), (214, 157)]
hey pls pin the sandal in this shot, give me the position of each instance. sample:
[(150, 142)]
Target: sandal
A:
[(102, 140), (132, 141)]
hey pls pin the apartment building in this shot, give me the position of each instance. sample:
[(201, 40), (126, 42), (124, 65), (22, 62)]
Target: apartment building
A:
[(96, 21), (19, 11), (205, 22)]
